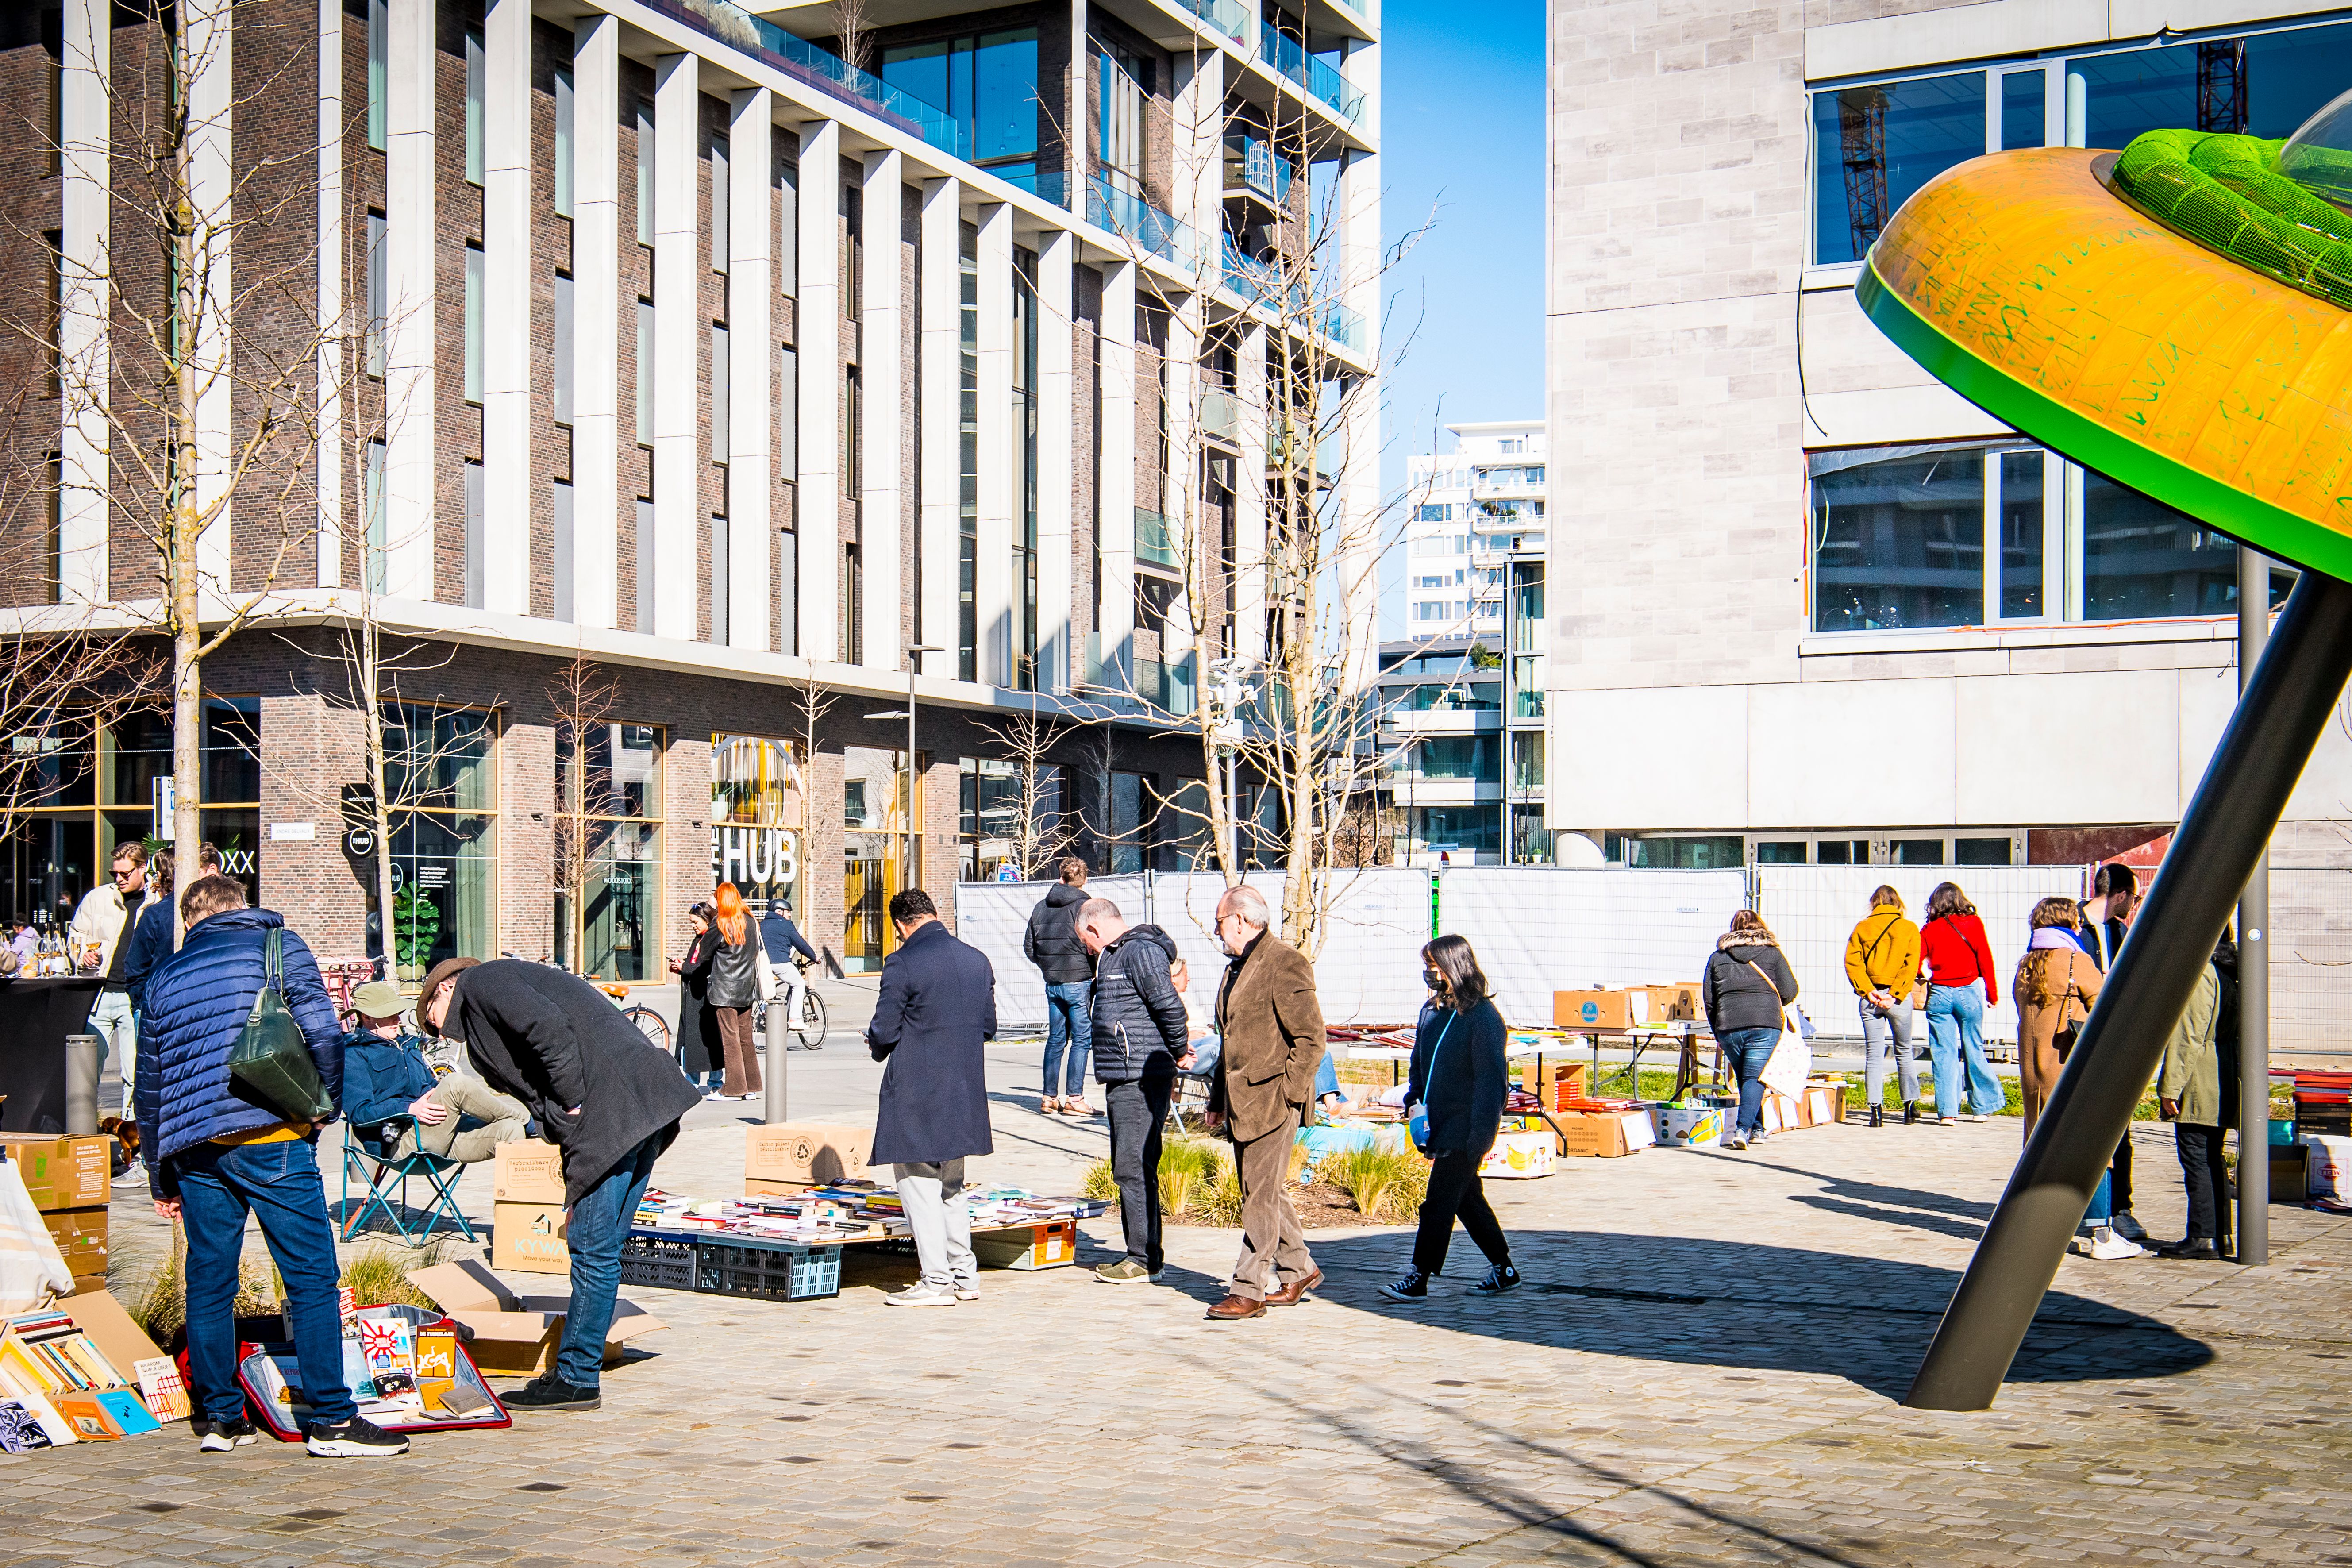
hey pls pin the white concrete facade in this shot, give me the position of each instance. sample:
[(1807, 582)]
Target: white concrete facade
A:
[(1468, 509), (1729, 505)]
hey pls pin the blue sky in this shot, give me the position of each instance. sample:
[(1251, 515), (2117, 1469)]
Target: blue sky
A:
[(1462, 132)]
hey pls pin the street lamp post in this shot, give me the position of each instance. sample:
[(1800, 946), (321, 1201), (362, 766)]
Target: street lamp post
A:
[(914, 668)]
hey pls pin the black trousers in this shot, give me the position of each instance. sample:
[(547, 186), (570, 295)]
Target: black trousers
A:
[(1456, 1192), (2119, 1176), (2204, 1174), (1138, 1110)]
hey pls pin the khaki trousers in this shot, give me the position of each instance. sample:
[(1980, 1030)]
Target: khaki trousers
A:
[(1272, 1237), (501, 1121)]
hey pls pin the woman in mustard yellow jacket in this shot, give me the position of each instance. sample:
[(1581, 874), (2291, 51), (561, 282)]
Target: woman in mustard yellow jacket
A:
[(1882, 963)]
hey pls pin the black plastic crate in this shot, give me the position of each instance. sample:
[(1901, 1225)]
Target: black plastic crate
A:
[(780, 1271), (651, 1262)]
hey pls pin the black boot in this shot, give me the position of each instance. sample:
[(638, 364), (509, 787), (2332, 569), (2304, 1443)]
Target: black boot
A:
[(1910, 1112), (1877, 1116)]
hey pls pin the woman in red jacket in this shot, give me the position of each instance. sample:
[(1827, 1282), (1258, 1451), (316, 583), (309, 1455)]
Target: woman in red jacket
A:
[(1960, 986)]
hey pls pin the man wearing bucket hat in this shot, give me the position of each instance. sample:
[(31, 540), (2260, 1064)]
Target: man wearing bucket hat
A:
[(600, 1093), (458, 1118)]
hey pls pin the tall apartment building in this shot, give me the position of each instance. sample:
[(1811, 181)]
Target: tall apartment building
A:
[(1471, 508), (1809, 604), (780, 388)]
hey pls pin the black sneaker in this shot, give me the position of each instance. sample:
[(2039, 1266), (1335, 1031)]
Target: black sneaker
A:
[(1502, 1277), (549, 1392), (221, 1436), (357, 1438), (1412, 1286)]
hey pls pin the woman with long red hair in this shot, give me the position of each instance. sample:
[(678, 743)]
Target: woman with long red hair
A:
[(734, 991)]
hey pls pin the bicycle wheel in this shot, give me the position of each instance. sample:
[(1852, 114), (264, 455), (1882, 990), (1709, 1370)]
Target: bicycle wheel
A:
[(811, 1025), (650, 1024)]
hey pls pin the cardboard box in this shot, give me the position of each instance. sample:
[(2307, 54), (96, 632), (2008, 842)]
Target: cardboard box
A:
[(1050, 1245), (807, 1154), (1518, 1157), (1553, 1084), (80, 1236), (529, 1238), (62, 1173), (516, 1335), (1674, 1004), (114, 1332), (1603, 1010), (1780, 1113), (1604, 1134), (1684, 1128), (2328, 1166), (2289, 1173), (527, 1171), (1819, 1105)]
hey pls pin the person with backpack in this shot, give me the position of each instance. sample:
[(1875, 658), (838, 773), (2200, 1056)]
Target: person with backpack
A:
[(1746, 992), (1960, 987), (1882, 963)]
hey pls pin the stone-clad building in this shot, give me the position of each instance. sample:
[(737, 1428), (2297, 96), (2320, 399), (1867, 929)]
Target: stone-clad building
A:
[(1853, 618), (652, 334)]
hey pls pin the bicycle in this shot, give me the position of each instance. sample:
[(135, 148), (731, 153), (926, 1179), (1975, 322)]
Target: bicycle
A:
[(644, 1019), (811, 1026)]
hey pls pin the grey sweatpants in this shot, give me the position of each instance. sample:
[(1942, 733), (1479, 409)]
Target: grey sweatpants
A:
[(932, 1197)]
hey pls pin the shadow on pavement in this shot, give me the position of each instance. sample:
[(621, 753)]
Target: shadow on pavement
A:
[(1742, 1306)]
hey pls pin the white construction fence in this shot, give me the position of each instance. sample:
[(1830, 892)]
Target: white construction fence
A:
[(1541, 929)]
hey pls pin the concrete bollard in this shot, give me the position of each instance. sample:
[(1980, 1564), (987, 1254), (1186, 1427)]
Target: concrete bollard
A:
[(82, 1085)]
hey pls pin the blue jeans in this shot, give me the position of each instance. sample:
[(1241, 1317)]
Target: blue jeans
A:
[(218, 1184), (1747, 1051), (1068, 1023), (600, 1223), (1327, 1078), (1955, 1032)]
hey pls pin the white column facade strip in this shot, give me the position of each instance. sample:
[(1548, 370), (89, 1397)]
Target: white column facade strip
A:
[(750, 253), (1074, 119), (1249, 498), (818, 337), (678, 339), (939, 300), (1198, 174), (1196, 544), (506, 306), (993, 584), (595, 320), (1117, 439), (207, 31), (1359, 486), (882, 369), (85, 368), (409, 182), (1056, 458), (329, 459)]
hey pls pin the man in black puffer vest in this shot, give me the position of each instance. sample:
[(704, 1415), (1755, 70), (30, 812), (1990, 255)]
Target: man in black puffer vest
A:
[(1052, 944), (1139, 1034)]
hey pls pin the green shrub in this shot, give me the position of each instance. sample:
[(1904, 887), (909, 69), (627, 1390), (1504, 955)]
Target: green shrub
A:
[(1385, 1180), (379, 1277), (1218, 1201), (1189, 1172), (1099, 1182)]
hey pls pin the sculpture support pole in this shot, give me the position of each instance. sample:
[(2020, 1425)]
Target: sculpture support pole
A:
[(2253, 959), (2286, 704)]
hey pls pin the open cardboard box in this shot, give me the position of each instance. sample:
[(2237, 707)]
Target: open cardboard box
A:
[(516, 1335)]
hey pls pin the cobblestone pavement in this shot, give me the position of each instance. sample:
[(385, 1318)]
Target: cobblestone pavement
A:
[(1704, 1367)]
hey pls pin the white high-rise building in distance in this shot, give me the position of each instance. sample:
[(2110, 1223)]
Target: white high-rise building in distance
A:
[(1467, 511)]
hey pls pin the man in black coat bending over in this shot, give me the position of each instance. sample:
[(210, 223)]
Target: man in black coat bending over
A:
[(599, 1093), (1140, 1033), (936, 1009)]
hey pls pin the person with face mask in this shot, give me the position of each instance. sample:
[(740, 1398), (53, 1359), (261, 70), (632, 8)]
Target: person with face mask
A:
[(1461, 1075)]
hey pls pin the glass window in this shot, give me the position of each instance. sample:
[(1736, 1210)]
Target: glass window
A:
[(2020, 535), (1459, 757), (2137, 90), (720, 437), (1982, 851), (1915, 851), (2291, 75), (758, 811), (1719, 852), (1462, 829), (473, 323), (1528, 760), (379, 52), (1781, 852), (563, 331), (1899, 543), (2140, 558), (377, 300), (607, 849), (1434, 511), (1842, 852), (987, 83), (474, 106), (2023, 117), (645, 173), (719, 199), (879, 855), (442, 797), (1876, 146), (644, 371), (563, 143)]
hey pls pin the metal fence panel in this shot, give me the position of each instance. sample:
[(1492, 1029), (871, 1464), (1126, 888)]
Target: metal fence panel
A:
[(2311, 962), (1541, 929), (993, 916), (1813, 909)]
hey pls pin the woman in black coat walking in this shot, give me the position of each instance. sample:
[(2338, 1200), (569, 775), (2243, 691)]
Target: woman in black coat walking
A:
[(1460, 1076), (698, 1050)]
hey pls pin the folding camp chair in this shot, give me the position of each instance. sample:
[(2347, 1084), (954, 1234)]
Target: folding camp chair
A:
[(384, 1179)]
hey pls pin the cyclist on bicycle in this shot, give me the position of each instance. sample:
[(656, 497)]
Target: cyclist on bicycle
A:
[(783, 941)]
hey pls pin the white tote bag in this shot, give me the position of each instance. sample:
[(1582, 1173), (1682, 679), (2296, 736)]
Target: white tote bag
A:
[(764, 968), (32, 1269)]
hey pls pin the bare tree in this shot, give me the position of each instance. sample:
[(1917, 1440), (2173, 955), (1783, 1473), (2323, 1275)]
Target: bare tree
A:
[(1041, 826), (853, 25), (584, 696)]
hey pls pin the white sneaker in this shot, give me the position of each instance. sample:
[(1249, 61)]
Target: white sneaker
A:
[(967, 1290), (133, 1175), (2123, 1225), (921, 1295), (2107, 1247)]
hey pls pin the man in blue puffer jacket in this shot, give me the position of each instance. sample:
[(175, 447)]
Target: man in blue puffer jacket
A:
[(217, 1156)]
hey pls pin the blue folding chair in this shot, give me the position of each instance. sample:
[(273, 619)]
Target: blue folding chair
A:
[(384, 1179)]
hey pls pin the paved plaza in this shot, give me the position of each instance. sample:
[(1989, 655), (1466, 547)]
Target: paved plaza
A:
[(1705, 1366)]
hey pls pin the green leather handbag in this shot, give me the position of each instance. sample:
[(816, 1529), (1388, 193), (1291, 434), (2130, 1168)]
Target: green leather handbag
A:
[(270, 1061)]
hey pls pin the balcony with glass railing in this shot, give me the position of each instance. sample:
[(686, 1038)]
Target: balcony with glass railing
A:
[(1262, 283), (1511, 479), (1154, 546), (803, 61), (1252, 166), (1115, 675), (1220, 417), (1230, 17), (1138, 221), (1322, 80)]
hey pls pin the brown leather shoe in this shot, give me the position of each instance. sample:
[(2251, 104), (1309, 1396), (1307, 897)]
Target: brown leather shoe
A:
[(1234, 1308), (1290, 1295)]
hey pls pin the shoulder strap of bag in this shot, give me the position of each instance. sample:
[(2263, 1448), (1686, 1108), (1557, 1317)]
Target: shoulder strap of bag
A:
[(1448, 1028), (1884, 933), (1766, 979), (270, 980)]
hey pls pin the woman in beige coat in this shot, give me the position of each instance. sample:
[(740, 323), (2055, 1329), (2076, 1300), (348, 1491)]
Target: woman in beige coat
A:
[(2055, 984)]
